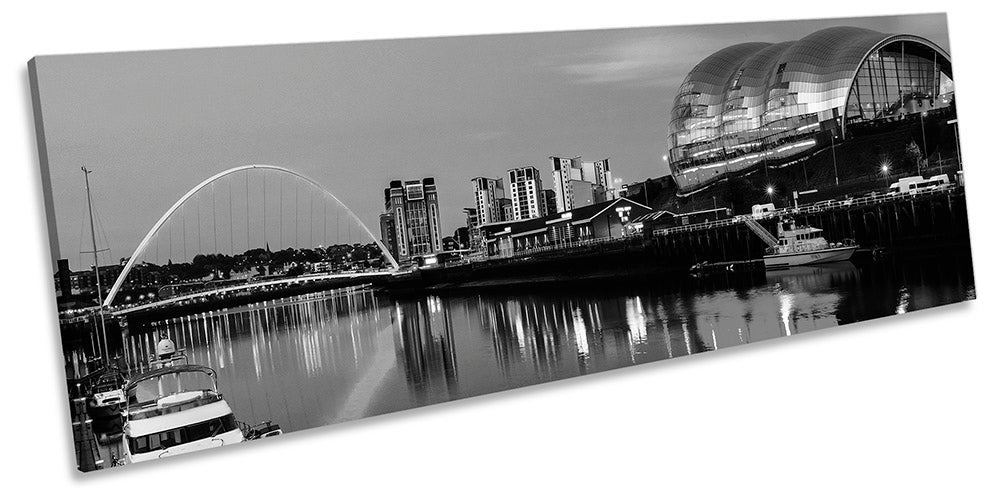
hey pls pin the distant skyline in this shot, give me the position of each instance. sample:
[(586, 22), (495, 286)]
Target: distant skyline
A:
[(356, 115)]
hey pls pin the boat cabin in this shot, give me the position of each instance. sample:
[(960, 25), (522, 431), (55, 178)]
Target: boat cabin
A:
[(176, 409), (793, 238)]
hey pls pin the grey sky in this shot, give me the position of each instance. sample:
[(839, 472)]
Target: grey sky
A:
[(355, 115)]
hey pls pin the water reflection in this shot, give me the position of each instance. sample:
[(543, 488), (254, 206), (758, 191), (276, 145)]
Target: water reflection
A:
[(334, 356), (426, 349)]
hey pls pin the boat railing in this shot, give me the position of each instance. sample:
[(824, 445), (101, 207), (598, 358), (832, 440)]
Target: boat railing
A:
[(149, 409), (178, 357)]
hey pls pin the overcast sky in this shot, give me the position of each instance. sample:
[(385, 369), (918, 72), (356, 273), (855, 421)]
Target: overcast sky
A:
[(355, 115)]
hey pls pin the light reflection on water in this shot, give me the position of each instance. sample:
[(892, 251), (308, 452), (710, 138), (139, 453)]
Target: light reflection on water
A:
[(334, 356)]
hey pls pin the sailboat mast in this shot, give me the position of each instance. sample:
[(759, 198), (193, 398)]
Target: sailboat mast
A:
[(93, 236), (97, 265)]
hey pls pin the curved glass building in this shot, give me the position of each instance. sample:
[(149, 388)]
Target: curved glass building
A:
[(753, 102)]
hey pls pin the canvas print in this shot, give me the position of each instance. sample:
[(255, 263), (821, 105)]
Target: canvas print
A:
[(249, 242)]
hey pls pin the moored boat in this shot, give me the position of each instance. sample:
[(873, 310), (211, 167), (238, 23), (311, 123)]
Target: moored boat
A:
[(175, 407), (106, 403), (805, 246), (174, 410)]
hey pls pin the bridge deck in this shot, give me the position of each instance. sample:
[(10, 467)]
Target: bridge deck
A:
[(361, 276)]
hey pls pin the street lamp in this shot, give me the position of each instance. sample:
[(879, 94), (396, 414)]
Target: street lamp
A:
[(885, 170), (924, 141), (834, 155), (955, 127)]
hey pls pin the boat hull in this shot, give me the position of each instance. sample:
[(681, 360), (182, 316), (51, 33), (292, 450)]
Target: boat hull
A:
[(809, 257)]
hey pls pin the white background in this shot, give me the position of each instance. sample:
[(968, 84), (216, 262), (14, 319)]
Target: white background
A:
[(900, 405)]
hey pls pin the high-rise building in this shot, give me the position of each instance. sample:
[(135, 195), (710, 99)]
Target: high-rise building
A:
[(578, 183), (473, 225), (581, 194), (549, 202), (417, 221), (507, 212), (461, 236), (387, 227), (597, 173), (486, 192), (527, 200)]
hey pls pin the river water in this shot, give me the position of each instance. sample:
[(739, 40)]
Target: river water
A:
[(339, 355)]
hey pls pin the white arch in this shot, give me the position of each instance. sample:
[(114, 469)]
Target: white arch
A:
[(156, 227)]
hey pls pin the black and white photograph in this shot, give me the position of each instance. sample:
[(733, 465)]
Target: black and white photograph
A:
[(248, 242)]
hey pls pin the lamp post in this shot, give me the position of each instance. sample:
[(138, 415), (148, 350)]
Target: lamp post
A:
[(955, 128), (885, 170), (924, 141), (764, 151), (834, 155)]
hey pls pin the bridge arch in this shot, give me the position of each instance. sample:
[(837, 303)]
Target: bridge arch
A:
[(140, 249)]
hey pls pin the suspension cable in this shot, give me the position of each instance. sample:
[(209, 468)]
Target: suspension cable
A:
[(184, 233), (198, 212), (281, 213), (215, 233), (232, 247), (247, 197), (264, 180), (296, 242)]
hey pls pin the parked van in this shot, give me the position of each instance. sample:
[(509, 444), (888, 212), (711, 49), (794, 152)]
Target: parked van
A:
[(917, 183), (762, 210)]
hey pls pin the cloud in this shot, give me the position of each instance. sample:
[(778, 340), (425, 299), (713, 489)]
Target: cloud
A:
[(646, 61)]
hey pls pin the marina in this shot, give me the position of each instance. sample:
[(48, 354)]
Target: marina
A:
[(329, 357)]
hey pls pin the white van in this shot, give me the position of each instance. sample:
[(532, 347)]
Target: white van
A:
[(761, 211), (917, 183)]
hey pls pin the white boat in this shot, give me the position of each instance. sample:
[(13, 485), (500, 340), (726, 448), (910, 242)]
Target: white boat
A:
[(106, 404), (805, 246), (174, 410)]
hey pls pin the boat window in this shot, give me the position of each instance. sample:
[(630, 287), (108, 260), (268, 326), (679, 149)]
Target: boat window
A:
[(184, 434), (211, 428)]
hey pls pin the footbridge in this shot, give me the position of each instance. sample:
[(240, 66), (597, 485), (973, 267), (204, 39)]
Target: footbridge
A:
[(266, 226)]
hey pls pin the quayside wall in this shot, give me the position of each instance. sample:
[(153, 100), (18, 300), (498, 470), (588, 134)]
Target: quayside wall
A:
[(906, 224)]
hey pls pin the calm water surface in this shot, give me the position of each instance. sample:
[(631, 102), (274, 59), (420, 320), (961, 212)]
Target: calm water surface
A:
[(334, 356)]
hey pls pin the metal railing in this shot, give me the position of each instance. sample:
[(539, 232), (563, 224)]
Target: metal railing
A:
[(761, 232), (820, 206), (556, 246)]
